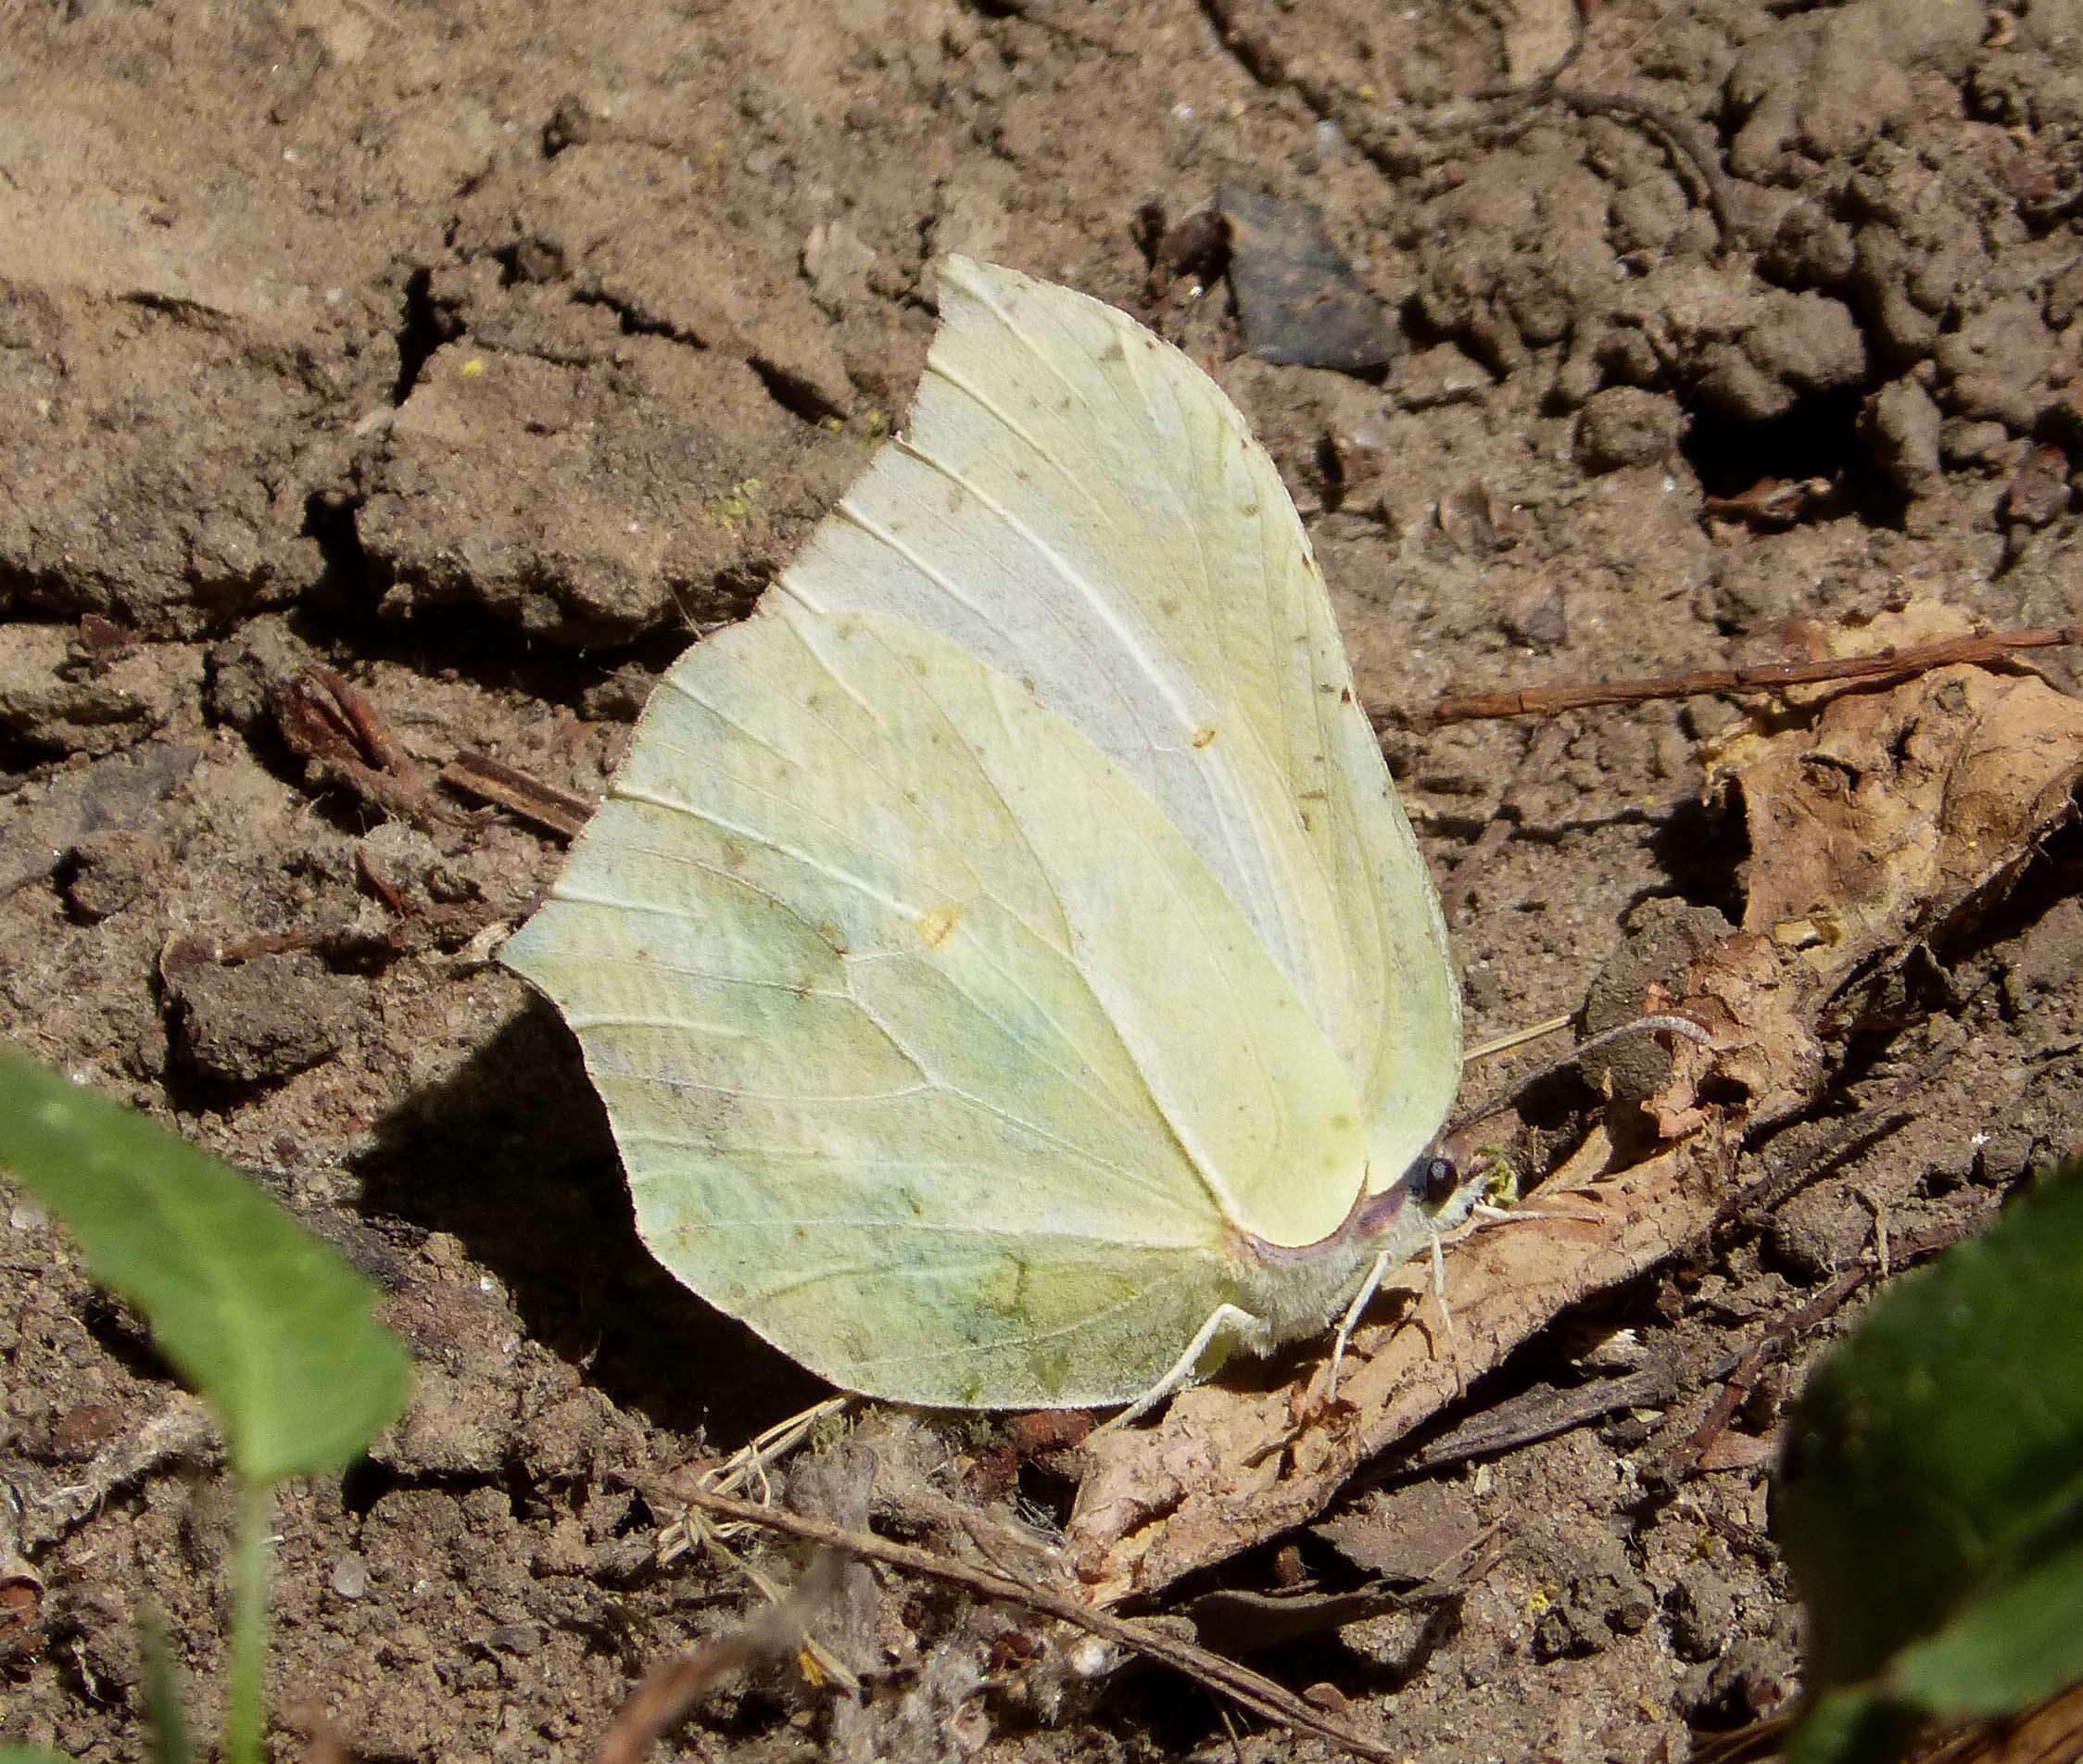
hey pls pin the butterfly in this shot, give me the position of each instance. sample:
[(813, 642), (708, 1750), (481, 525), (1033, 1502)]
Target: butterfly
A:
[(1007, 968)]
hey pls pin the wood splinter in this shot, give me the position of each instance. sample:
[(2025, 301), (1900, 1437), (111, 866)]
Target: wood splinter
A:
[(1884, 665)]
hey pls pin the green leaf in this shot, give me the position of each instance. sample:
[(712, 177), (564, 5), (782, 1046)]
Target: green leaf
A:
[(1931, 1499), (1852, 1727), (164, 1716), (2015, 1644), (28, 1755), (266, 1322)]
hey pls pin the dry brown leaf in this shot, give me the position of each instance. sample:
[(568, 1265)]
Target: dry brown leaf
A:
[(1878, 822), (1227, 1468), (1759, 1006)]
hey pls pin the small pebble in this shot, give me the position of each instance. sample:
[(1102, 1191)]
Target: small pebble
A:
[(521, 1639)]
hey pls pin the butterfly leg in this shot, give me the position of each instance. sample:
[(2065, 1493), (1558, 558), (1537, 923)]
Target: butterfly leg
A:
[(1439, 1286), (1225, 1319), (1358, 1308), (1372, 1284), (1350, 1321)]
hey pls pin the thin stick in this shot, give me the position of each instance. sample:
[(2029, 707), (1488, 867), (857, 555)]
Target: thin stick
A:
[(659, 1703), (490, 780), (1544, 1413), (1678, 137), (747, 1466), (1888, 664), (835, 1669), (1243, 1686), (1510, 1039), (1780, 1339), (334, 728)]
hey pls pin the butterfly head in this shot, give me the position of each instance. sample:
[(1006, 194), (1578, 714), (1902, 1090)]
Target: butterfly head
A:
[(1436, 1192), (1439, 1179)]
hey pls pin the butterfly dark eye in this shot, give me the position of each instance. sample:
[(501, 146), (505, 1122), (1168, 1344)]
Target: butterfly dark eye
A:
[(1440, 1178)]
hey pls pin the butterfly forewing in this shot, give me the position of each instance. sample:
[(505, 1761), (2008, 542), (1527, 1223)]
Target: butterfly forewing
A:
[(1080, 506)]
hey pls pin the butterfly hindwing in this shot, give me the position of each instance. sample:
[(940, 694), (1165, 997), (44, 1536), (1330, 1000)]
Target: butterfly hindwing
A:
[(933, 1052)]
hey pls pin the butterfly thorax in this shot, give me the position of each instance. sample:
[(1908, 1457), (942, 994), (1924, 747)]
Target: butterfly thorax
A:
[(1297, 1288)]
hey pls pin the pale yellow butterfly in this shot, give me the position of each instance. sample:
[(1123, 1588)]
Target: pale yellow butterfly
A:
[(1008, 970)]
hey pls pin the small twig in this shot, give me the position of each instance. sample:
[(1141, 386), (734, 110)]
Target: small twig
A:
[(835, 1670), (1770, 505), (1747, 1206), (341, 737), (748, 1467), (1678, 138), (1497, 1044), (490, 780), (1778, 1342), (1887, 1114), (1544, 1413), (668, 1691), (379, 883), (1248, 1689), (1884, 665), (191, 951)]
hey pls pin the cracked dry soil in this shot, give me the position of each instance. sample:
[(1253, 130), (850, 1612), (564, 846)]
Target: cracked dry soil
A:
[(482, 354)]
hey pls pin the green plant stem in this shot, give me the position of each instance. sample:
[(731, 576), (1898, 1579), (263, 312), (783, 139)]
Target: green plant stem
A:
[(246, 1706)]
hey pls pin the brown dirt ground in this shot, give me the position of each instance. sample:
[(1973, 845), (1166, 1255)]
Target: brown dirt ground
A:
[(479, 352)]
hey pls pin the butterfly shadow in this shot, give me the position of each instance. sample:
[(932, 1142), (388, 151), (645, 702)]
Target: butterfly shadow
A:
[(512, 1156)]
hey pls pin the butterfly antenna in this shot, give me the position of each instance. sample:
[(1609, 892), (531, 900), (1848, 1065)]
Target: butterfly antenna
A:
[(1669, 1022)]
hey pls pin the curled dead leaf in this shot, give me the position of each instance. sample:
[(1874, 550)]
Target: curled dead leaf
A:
[(1896, 810)]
